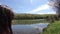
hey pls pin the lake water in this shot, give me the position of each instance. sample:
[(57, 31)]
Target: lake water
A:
[(29, 29)]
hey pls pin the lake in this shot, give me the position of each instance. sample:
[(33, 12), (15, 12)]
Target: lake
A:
[(29, 29)]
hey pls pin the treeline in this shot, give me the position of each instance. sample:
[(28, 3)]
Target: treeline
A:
[(52, 18), (32, 16)]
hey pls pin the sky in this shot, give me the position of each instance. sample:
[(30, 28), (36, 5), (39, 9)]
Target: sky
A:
[(29, 6)]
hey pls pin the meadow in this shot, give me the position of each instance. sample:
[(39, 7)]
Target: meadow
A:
[(53, 28)]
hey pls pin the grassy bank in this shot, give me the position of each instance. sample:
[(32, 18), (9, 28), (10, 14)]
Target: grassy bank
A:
[(53, 28), (29, 21)]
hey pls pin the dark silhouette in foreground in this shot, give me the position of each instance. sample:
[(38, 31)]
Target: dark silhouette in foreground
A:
[(6, 17)]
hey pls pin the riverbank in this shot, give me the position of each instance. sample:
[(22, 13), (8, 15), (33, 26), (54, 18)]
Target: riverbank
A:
[(53, 28), (29, 21)]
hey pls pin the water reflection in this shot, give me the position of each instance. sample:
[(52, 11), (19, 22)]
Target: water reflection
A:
[(29, 29)]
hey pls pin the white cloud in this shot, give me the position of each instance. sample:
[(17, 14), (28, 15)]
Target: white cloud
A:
[(40, 8), (52, 12)]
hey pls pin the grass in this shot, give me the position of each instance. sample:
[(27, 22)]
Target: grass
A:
[(53, 28), (28, 21)]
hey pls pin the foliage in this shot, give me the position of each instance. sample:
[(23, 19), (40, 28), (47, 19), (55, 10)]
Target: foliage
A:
[(31, 16), (56, 6), (53, 28)]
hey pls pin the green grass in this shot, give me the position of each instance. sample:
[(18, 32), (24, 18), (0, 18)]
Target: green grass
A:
[(28, 21), (53, 28)]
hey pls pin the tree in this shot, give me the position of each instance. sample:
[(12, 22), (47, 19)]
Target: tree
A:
[(55, 4)]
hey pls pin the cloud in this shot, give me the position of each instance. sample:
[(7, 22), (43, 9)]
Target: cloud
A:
[(52, 12), (40, 8)]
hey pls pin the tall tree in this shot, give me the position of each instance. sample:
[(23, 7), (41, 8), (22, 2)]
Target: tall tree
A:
[(56, 6)]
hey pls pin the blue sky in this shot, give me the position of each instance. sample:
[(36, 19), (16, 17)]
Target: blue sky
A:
[(29, 6)]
